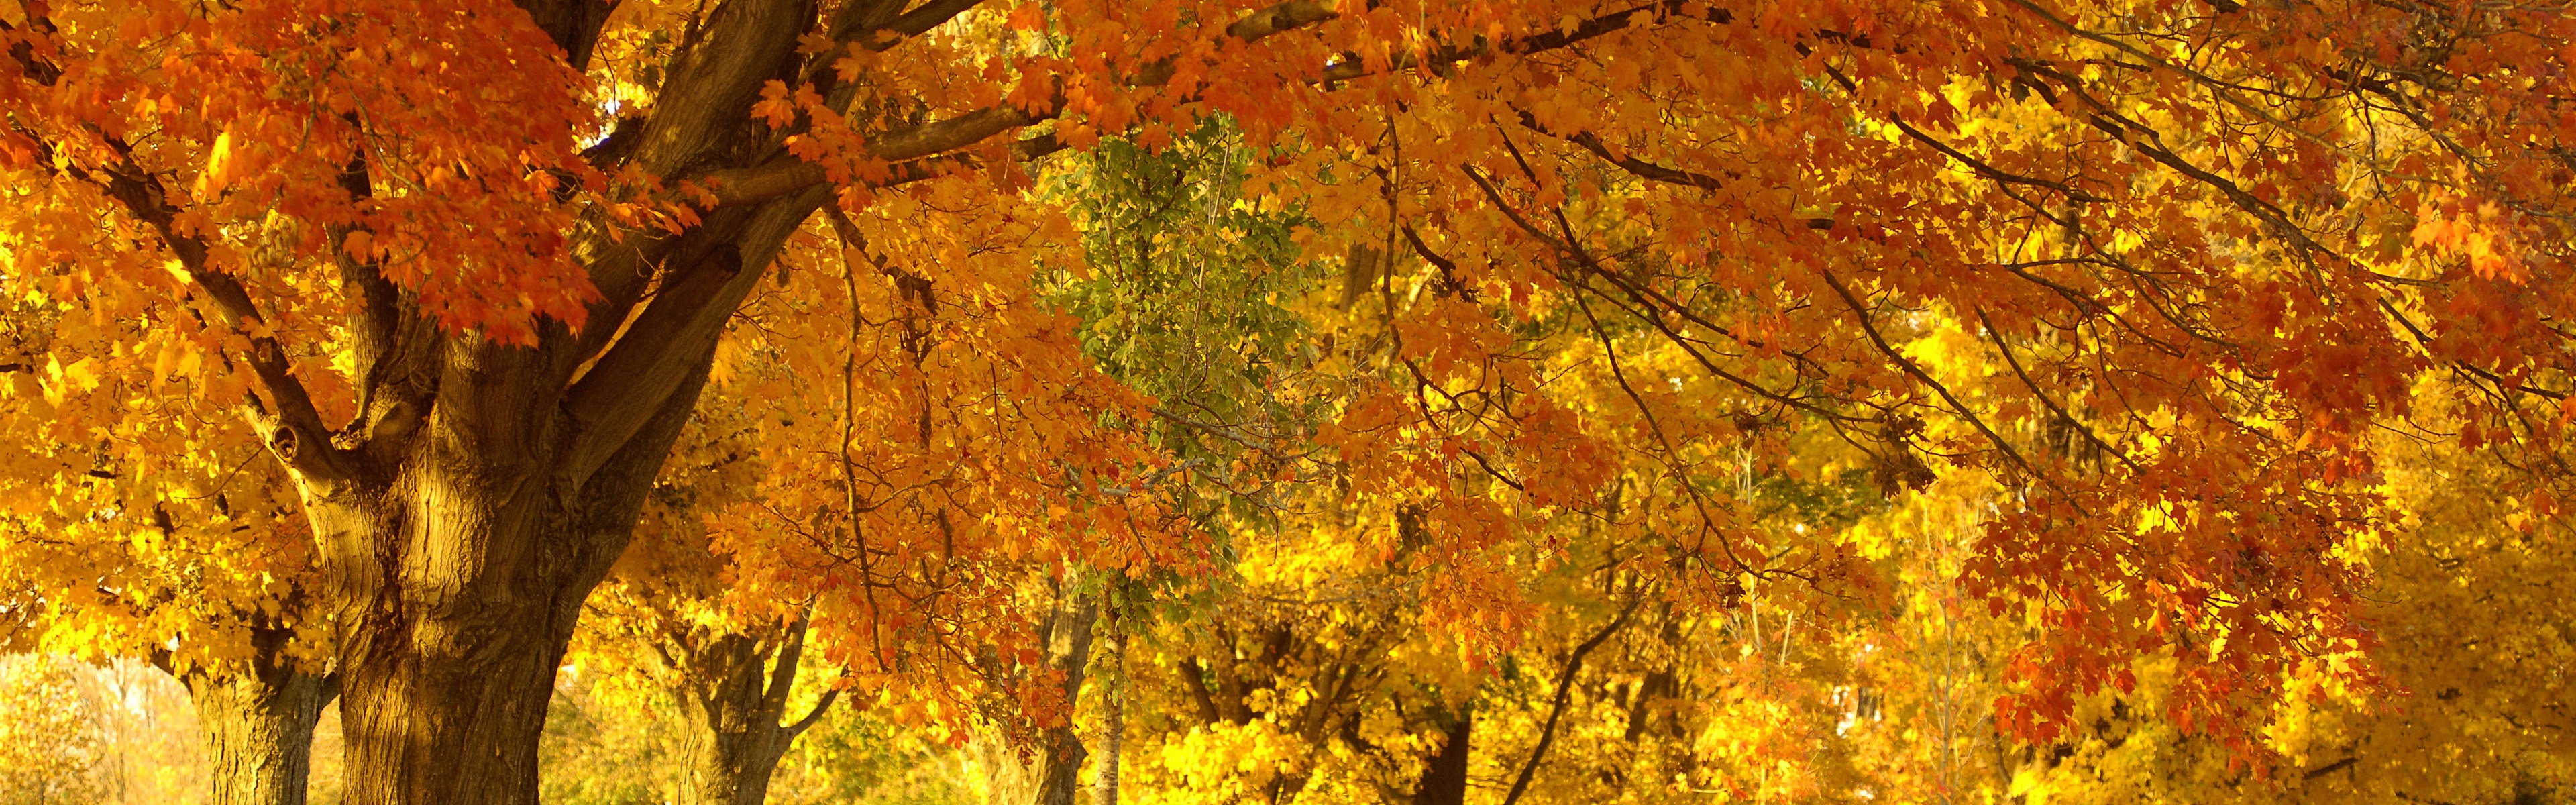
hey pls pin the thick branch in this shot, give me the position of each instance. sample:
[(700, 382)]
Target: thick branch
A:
[(641, 369), (744, 44), (782, 676), (572, 24)]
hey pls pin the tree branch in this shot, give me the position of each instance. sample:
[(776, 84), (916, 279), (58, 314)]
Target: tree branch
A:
[(1869, 327), (1556, 39), (1556, 709), (1998, 336), (782, 677), (572, 24), (786, 174), (637, 372), (930, 15), (2329, 768), (292, 427)]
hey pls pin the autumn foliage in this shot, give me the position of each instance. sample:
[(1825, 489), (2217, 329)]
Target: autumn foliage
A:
[(1369, 401)]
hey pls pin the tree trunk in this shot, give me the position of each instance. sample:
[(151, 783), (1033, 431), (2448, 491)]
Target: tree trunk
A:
[(259, 732), (462, 536), (731, 760), (1113, 711), (451, 712), (1444, 778), (460, 581), (484, 487), (1068, 651)]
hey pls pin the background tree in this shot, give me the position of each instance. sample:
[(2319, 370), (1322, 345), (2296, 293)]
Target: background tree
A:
[(53, 750), (156, 538), (2470, 646)]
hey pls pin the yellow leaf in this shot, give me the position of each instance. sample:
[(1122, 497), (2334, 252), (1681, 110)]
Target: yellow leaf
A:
[(83, 373), (218, 159)]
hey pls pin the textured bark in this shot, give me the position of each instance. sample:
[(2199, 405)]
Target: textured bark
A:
[(1068, 651), (733, 692), (462, 543), (487, 487), (259, 732), (458, 612)]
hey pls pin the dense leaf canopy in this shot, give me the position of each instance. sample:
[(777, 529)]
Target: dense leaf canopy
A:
[(357, 339)]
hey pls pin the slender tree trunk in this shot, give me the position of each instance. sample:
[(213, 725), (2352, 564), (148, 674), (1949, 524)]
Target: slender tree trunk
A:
[(259, 732), (738, 697), (1113, 715), (1069, 651)]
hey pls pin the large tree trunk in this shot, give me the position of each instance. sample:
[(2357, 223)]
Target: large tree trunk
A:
[(734, 693), (489, 500), (259, 732), (460, 589), (483, 488)]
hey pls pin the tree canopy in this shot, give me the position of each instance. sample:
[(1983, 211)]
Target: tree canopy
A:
[(1346, 383)]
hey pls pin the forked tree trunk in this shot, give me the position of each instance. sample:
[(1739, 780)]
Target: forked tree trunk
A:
[(461, 539), (483, 487), (460, 581), (736, 697), (1068, 651), (259, 732)]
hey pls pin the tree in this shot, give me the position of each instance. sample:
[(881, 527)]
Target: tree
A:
[(2470, 644), (438, 562), (53, 744), (462, 270), (157, 539)]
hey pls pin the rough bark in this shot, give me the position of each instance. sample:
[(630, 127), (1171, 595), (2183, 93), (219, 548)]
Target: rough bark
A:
[(259, 732), (1068, 651), (736, 696), (461, 543), (458, 611)]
